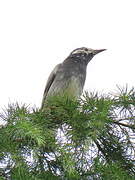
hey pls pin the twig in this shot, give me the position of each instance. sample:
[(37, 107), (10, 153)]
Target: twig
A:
[(125, 125)]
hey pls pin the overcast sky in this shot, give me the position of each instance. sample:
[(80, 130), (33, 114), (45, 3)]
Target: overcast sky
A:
[(35, 35)]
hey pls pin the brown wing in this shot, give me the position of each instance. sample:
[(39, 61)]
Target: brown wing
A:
[(49, 82)]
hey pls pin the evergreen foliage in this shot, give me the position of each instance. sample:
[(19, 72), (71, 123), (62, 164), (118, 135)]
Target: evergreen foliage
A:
[(89, 139)]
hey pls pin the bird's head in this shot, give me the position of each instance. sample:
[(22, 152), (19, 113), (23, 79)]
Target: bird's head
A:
[(85, 54)]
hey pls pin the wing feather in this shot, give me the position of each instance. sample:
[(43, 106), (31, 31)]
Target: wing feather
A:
[(49, 83)]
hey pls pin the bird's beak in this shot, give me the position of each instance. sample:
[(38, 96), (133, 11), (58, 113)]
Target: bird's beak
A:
[(96, 51)]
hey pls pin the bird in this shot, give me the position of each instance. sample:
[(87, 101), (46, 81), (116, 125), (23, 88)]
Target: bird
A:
[(68, 77)]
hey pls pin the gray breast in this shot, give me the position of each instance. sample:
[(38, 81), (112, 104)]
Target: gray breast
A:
[(69, 80)]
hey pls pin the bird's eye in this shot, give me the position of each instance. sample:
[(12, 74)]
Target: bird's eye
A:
[(86, 49)]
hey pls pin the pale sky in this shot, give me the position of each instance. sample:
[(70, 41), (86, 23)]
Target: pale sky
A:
[(35, 35)]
